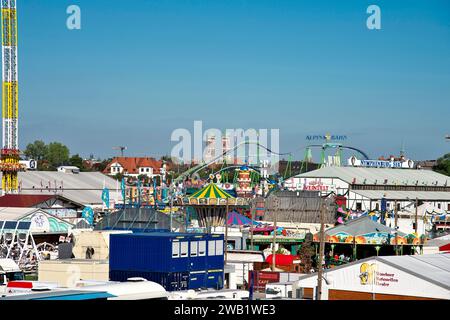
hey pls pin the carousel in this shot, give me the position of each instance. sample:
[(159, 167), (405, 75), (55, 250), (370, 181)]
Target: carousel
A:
[(211, 205)]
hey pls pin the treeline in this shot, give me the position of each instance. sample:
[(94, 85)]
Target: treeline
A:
[(443, 164), (55, 154)]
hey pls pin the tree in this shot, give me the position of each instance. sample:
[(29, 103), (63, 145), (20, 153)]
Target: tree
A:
[(76, 161), (57, 154), (306, 253), (443, 165), (36, 150)]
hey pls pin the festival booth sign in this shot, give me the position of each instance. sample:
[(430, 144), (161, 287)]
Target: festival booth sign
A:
[(46, 223)]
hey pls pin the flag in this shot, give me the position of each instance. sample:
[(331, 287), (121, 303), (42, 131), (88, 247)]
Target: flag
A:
[(139, 189), (122, 186), (88, 214), (105, 197)]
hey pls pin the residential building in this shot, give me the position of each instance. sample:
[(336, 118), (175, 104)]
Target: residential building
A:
[(134, 166)]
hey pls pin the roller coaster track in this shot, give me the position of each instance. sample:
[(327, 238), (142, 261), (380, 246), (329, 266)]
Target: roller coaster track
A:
[(328, 145), (203, 165)]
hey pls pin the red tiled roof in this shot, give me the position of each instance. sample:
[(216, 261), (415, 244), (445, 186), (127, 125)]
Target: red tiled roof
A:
[(131, 165), (23, 200)]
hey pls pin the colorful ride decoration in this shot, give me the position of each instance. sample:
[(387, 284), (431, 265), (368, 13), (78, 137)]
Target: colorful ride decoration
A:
[(359, 232), (244, 182), (413, 239), (210, 204), (400, 240), (237, 219)]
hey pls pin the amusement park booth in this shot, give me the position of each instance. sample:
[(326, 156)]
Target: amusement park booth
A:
[(362, 237), (364, 187)]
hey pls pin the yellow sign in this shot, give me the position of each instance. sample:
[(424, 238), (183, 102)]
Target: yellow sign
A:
[(368, 272)]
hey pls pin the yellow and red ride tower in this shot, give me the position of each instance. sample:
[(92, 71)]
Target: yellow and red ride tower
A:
[(9, 164)]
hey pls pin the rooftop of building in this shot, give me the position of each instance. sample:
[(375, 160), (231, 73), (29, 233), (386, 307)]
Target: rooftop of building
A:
[(83, 188), (380, 176), (132, 164)]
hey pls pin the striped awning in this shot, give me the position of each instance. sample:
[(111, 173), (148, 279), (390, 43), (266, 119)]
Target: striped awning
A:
[(211, 191)]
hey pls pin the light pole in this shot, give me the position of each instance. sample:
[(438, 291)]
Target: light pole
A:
[(321, 250), (275, 212)]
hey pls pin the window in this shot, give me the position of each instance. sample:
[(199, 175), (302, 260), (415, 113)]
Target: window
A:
[(201, 248), (194, 245), (439, 205), (175, 249), (377, 206), (358, 206), (184, 249), (398, 206), (219, 247), (211, 248), (148, 170)]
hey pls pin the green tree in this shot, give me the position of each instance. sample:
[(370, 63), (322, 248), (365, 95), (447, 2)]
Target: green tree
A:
[(76, 161), (36, 150), (57, 154), (306, 253), (443, 165)]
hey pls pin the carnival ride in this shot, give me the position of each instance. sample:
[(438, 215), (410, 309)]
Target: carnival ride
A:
[(17, 243)]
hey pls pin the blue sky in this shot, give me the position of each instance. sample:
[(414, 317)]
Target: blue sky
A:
[(137, 70)]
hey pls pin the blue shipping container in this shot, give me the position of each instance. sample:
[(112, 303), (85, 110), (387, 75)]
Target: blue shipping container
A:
[(166, 252), (197, 279), (215, 279), (216, 247)]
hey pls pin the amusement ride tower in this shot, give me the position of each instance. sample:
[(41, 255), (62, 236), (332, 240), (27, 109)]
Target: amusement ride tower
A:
[(9, 164)]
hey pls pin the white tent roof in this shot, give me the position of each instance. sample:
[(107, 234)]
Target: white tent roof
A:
[(394, 176), (405, 195), (16, 214), (84, 187), (432, 267)]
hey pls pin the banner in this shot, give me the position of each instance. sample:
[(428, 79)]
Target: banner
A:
[(105, 197), (122, 187), (88, 214)]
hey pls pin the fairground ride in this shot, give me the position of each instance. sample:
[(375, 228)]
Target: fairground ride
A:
[(9, 164), (192, 171), (335, 160)]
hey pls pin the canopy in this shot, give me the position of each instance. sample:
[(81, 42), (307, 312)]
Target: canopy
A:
[(211, 191), (364, 230), (238, 219), (281, 259)]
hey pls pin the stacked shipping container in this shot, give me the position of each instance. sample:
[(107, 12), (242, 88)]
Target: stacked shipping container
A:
[(178, 261)]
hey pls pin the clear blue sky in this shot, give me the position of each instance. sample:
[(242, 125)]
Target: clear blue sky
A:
[(139, 69)]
